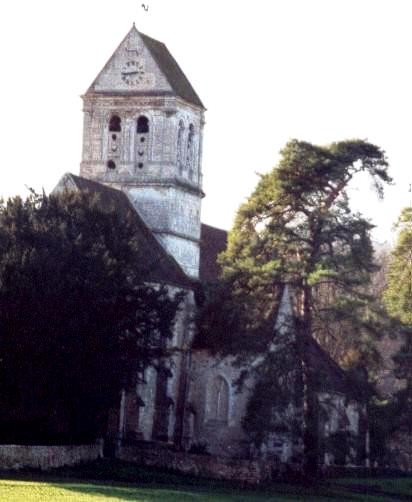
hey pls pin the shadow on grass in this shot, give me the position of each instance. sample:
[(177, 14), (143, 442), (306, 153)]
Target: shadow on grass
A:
[(164, 494), (136, 494), (109, 479)]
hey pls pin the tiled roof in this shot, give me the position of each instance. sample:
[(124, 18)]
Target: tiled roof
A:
[(163, 267), (212, 242)]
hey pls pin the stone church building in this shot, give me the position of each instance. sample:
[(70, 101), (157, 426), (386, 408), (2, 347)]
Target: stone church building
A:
[(142, 149)]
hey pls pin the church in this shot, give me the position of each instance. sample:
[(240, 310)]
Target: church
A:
[(142, 149)]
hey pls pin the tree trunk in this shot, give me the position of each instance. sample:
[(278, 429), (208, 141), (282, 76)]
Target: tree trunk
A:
[(310, 403)]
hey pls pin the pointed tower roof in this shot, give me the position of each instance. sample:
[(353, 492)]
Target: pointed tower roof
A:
[(162, 75)]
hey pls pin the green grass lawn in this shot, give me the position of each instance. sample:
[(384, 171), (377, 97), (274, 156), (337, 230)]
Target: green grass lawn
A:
[(13, 491), (28, 491), (130, 482)]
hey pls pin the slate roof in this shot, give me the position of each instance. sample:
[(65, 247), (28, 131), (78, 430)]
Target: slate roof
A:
[(162, 266), (329, 376), (167, 65), (212, 242), (171, 70)]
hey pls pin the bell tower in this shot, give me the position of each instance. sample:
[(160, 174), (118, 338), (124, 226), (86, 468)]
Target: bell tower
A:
[(142, 133)]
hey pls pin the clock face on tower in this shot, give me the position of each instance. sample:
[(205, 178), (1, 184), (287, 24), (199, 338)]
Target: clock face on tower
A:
[(132, 73)]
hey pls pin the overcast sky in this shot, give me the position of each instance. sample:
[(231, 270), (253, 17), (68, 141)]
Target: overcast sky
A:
[(267, 71)]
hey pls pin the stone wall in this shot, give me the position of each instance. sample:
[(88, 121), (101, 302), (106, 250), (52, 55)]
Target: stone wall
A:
[(387, 383), (342, 436), (16, 457), (140, 423), (207, 466), (216, 406)]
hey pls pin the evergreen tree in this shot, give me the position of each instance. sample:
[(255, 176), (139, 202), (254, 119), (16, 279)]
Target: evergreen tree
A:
[(297, 228), (398, 301), (77, 320), (398, 294)]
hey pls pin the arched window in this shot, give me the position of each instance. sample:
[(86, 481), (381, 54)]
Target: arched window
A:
[(142, 125), (189, 149), (115, 124), (114, 140), (191, 134), (219, 400), (179, 146)]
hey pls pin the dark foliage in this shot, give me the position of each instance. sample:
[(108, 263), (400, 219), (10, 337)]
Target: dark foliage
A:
[(77, 321)]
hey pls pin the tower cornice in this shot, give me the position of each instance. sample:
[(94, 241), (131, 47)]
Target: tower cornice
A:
[(147, 99)]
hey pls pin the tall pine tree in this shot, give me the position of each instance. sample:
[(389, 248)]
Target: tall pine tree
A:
[(297, 228)]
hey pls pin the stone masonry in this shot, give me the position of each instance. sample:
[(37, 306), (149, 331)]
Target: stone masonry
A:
[(139, 136)]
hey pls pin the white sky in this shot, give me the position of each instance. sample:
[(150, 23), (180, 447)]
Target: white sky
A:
[(267, 71)]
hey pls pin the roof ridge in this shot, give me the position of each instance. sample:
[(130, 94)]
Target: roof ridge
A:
[(150, 47), (180, 85), (180, 278), (215, 228), (91, 87)]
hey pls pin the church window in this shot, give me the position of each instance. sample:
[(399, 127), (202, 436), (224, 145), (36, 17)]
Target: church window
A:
[(191, 425), (114, 139), (219, 400), (191, 134), (189, 149), (142, 125), (115, 124), (180, 145), (141, 147), (111, 164)]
